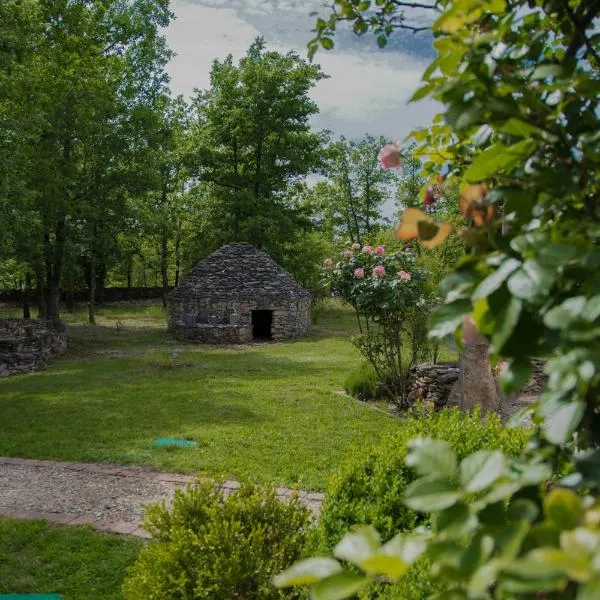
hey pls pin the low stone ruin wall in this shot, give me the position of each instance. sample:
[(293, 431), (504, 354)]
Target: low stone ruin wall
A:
[(27, 345), (434, 383)]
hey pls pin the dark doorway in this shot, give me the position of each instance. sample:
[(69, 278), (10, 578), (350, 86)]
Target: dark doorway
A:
[(261, 324)]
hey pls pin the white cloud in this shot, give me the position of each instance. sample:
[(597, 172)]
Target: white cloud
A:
[(367, 91), (200, 34)]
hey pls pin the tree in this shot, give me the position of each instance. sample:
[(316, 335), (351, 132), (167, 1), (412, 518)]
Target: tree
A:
[(252, 143), (88, 67), (352, 199), (520, 90)]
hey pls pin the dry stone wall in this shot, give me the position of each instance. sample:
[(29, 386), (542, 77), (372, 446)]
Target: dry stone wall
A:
[(27, 345), (435, 383), (291, 318)]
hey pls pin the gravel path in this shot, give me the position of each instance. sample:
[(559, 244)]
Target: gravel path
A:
[(109, 497)]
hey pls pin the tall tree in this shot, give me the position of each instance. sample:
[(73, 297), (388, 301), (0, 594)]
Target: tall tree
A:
[(352, 200), (253, 142), (90, 66)]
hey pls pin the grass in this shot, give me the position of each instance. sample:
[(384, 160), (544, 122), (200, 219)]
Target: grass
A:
[(265, 412), (74, 561)]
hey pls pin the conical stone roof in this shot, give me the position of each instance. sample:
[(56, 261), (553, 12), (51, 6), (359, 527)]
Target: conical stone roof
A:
[(239, 271)]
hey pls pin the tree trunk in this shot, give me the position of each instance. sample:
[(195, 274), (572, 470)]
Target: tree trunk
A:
[(475, 384), (163, 264), (92, 299), (26, 309), (100, 282), (177, 258)]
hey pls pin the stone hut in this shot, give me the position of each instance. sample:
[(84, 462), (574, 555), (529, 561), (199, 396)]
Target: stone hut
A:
[(236, 295)]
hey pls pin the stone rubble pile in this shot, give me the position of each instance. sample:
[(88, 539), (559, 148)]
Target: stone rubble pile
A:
[(434, 383), (27, 345)]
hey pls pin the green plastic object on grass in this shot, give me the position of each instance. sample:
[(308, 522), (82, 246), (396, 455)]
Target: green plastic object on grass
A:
[(174, 442)]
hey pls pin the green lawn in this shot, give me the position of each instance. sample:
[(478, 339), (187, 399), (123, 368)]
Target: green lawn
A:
[(73, 561), (266, 412)]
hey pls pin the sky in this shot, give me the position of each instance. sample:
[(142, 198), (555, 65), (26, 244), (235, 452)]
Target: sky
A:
[(367, 90)]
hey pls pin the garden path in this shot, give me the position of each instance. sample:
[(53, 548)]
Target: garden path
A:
[(109, 497)]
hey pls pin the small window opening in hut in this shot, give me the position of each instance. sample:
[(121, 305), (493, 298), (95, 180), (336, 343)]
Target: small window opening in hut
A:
[(261, 324)]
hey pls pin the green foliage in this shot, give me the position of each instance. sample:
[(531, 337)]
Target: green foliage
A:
[(348, 205), (369, 487), (519, 83), (387, 291), (251, 145), (363, 383), (208, 545)]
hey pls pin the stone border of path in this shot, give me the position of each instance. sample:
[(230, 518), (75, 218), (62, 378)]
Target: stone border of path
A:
[(312, 500)]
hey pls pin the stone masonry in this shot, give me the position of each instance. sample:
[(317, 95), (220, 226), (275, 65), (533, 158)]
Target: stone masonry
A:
[(217, 302), (27, 345), (435, 383)]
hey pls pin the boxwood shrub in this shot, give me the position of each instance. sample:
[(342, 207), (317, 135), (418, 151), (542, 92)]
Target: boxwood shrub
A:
[(208, 545), (368, 487)]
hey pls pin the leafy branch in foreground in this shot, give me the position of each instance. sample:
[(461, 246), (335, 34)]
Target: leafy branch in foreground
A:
[(519, 134)]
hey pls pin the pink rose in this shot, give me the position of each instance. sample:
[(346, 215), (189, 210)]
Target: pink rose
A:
[(328, 262), (403, 275), (359, 273), (367, 249), (379, 271), (390, 157), (356, 246), (380, 250), (348, 254)]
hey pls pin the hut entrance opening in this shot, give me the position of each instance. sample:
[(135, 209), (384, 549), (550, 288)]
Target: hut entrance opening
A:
[(261, 324)]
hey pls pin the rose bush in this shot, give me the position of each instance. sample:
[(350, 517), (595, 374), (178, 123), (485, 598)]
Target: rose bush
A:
[(388, 293)]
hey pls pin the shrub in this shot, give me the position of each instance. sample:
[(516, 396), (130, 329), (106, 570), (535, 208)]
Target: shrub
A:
[(368, 488), (363, 383), (211, 546), (388, 293)]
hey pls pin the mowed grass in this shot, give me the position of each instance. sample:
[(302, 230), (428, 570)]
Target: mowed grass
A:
[(76, 562), (264, 412)]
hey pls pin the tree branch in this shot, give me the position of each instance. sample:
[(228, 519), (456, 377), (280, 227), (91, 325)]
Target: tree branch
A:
[(580, 38), (416, 5)]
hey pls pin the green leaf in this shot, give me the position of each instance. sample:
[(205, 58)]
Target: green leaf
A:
[(564, 508), (507, 321), (519, 127), (557, 255), (327, 43), (589, 591), (544, 71), (406, 547), (561, 316), (515, 376), (498, 158), (431, 457), (338, 586), (359, 545), (455, 522), (560, 425), (510, 539), (491, 283), (448, 317), (307, 571), (551, 562), (531, 281), (481, 469), (430, 494), (515, 585)]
